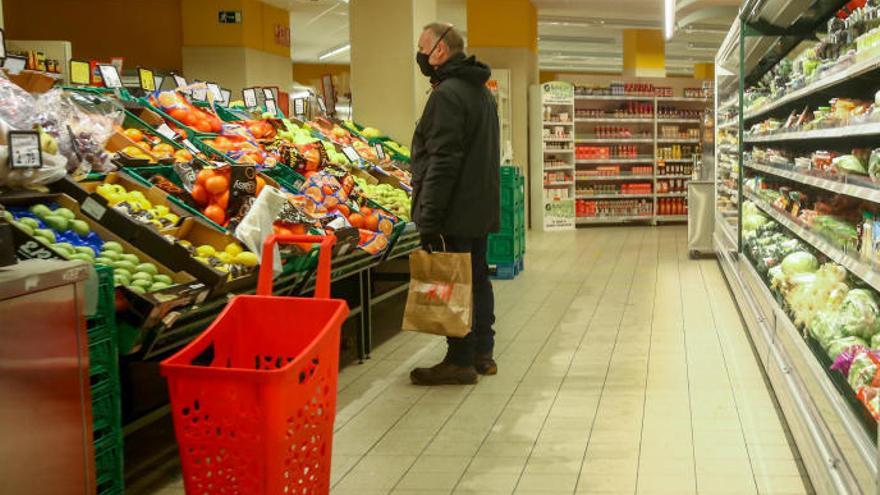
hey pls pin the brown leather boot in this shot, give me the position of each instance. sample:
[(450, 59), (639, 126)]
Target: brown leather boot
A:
[(445, 373), (485, 365)]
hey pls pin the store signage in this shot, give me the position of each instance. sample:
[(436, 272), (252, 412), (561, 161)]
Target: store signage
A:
[(2, 43), (559, 215), (226, 96), (268, 94), (380, 152), (24, 149), (322, 105), (214, 88), (229, 17), (179, 80), (191, 147), (93, 209), (282, 34), (250, 97), (110, 76), (557, 92), (200, 91), (271, 107), (166, 131), (159, 81), (14, 64), (299, 106), (351, 154), (80, 72), (147, 80)]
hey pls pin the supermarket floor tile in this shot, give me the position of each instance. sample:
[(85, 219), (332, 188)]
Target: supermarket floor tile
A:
[(623, 368)]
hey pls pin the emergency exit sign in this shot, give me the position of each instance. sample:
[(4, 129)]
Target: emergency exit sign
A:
[(229, 17)]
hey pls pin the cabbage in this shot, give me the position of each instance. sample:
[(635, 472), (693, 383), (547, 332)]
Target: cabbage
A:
[(837, 346), (799, 262), (844, 360), (753, 220), (875, 341), (777, 278), (825, 328), (849, 164), (859, 314), (862, 370)]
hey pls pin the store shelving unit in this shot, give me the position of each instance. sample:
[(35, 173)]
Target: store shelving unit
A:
[(553, 157), (834, 434)]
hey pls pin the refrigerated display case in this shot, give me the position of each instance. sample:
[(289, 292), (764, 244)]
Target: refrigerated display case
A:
[(798, 191)]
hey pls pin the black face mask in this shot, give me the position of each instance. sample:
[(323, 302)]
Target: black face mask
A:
[(427, 69)]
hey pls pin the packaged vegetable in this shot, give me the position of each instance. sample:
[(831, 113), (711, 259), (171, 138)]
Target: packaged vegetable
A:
[(845, 358), (837, 346), (862, 369), (849, 164), (16, 105)]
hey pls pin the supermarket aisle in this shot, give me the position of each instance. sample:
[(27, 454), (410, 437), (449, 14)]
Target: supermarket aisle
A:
[(624, 369)]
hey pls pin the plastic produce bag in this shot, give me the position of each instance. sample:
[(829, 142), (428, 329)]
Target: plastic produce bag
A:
[(862, 369), (844, 360), (81, 126), (16, 105), (257, 223), (839, 346)]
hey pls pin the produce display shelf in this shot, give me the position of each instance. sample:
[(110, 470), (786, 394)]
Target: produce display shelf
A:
[(612, 220), (672, 195), (854, 190), (615, 97), (678, 141), (858, 69), (558, 184), (725, 227), (729, 125), (613, 141), (671, 218), (613, 196), (676, 176), (613, 119), (675, 160), (842, 132), (600, 161), (682, 99), (613, 177), (862, 270), (550, 122), (546, 150), (552, 169), (408, 241), (679, 121)]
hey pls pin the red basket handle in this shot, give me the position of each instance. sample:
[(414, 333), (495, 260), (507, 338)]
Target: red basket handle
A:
[(322, 282)]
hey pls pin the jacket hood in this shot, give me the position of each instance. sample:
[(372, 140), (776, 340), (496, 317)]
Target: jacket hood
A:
[(465, 68)]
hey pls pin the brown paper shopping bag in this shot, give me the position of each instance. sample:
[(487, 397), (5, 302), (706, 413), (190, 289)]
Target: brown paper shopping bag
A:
[(440, 299)]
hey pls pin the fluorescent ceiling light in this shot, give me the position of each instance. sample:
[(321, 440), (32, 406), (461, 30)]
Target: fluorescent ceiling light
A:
[(335, 51), (669, 17)]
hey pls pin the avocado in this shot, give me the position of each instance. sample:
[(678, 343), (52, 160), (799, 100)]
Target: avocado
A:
[(113, 246), (111, 255), (40, 210), (134, 260), (122, 275), (80, 227), (64, 250), (136, 289), (163, 278), (141, 283), (142, 276), (100, 260), (81, 257), (30, 222), (126, 265), (46, 235), (158, 286), (85, 250), (65, 213), (147, 267)]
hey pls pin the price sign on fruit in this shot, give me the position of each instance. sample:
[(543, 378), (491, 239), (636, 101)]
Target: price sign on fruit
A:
[(200, 92), (271, 107), (380, 152), (299, 107), (179, 80), (268, 94), (250, 97), (24, 149), (110, 76), (351, 154), (148, 81), (215, 91), (191, 147), (80, 73), (322, 105), (14, 64), (226, 96), (166, 131)]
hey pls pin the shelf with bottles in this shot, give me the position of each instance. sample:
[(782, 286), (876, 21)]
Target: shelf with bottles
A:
[(672, 207), (613, 172), (605, 190), (678, 152), (674, 170), (585, 152), (614, 209), (671, 186), (608, 134)]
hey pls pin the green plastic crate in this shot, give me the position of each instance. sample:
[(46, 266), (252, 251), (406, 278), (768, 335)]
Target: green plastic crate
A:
[(287, 177), (143, 174), (504, 248), (512, 218), (197, 139), (106, 412), (109, 465), (105, 311)]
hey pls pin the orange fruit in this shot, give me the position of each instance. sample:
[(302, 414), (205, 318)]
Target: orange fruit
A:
[(356, 220), (204, 175), (366, 211), (178, 114), (261, 183), (385, 226), (144, 146), (343, 209), (134, 134), (222, 200), (217, 185), (200, 194), (372, 223), (182, 156), (163, 149), (215, 213), (202, 125)]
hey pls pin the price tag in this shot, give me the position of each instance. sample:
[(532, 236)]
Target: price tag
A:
[(179, 80), (24, 149), (322, 105), (93, 209), (200, 93), (215, 91), (299, 106), (268, 94), (191, 147), (271, 107), (80, 72), (110, 76), (250, 97), (166, 131), (2, 43), (159, 81), (226, 96), (351, 154), (14, 64), (147, 80), (380, 151)]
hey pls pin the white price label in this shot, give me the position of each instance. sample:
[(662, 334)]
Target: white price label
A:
[(14, 64), (380, 151), (351, 154), (322, 105), (2, 43), (159, 81), (226, 96), (179, 80), (93, 209), (271, 107), (215, 91), (166, 131), (299, 106), (250, 97), (110, 76), (268, 94), (200, 93), (24, 149), (191, 147)]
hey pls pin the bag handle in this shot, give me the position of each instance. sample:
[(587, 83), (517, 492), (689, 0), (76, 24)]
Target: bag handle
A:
[(322, 281)]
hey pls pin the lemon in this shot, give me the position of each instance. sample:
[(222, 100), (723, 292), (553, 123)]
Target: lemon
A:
[(205, 251), (224, 257), (246, 258), (161, 210), (233, 249), (171, 217)]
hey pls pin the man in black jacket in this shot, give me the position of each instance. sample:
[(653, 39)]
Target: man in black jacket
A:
[(455, 165)]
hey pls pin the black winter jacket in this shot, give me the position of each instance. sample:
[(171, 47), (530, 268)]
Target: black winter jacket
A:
[(456, 155)]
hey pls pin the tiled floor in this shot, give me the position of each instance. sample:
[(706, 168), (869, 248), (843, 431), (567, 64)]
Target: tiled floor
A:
[(623, 369)]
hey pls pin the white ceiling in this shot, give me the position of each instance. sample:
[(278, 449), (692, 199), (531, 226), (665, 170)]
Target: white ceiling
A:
[(573, 34)]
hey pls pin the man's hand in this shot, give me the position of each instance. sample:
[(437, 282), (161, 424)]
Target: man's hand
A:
[(432, 242)]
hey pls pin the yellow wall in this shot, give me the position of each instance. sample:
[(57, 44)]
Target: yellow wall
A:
[(100, 29), (704, 71), (307, 72), (644, 53), (502, 23), (256, 30)]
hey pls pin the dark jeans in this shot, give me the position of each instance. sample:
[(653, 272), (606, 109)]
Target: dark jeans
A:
[(481, 340)]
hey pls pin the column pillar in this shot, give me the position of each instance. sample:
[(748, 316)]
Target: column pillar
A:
[(250, 52), (644, 53), (388, 91)]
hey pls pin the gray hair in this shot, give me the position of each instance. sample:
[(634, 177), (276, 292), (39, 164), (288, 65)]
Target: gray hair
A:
[(453, 39)]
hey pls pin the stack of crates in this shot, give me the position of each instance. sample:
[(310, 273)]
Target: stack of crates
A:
[(508, 246), (105, 388)]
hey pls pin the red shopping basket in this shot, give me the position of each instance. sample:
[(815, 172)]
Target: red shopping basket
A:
[(254, 397)]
